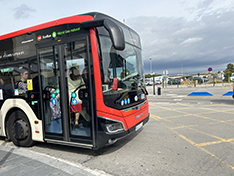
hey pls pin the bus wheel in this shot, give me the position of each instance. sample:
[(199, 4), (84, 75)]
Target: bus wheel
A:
[(19, 129)]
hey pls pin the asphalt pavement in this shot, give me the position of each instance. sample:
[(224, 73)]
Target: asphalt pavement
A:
[(184, 136), (15, 161)]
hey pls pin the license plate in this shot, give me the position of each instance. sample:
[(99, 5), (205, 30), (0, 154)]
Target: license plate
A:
[(138, 126)]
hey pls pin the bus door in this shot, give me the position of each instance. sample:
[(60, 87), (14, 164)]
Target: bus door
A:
[(66, 94)]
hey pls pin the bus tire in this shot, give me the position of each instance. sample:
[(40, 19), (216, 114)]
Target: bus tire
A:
[(19, 129)]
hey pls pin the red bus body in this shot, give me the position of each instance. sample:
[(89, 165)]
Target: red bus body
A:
[(132, 117)]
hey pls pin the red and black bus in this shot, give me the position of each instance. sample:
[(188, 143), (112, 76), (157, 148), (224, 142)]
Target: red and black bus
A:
[(75, 81)]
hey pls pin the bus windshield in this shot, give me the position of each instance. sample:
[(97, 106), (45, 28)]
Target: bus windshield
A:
[(122, 71)]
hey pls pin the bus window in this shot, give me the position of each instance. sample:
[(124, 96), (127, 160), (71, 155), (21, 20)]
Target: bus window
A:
[(51, 90)]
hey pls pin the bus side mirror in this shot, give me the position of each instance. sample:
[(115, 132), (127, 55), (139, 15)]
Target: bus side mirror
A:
[(115, 31), (116, 34)]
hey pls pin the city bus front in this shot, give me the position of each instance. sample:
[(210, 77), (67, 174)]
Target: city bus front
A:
[(121, 101)]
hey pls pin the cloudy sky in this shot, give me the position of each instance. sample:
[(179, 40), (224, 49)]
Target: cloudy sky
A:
[(180, 36)]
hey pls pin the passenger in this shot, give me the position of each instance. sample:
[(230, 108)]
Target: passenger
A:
[(8, 85), (107, 77), (1, 83), (22, 84), (85, 105), (74, 81)]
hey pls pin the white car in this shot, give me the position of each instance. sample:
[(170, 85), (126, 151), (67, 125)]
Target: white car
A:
[(148, 83), (232, 78)]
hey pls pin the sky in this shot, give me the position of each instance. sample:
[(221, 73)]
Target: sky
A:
[(181, 36)]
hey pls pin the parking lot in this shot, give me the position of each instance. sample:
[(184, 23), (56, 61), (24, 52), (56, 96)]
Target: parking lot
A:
[(184, 136), (207, 132)]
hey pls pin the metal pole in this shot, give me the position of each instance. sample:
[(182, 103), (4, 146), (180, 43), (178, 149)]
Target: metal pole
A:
[(154, 85), (150, 65), (182, 68)]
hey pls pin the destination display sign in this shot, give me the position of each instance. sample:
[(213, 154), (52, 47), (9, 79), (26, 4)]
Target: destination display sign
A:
[(24, 46)]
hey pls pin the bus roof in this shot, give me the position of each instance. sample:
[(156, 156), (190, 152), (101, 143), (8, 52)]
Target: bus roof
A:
[(66, 20)]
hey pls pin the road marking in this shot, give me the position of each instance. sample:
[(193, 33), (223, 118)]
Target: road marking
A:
[(158, 118), (215, 142), (183, 126), (178, 99), (153, 116), (199, 146), (197, 115)]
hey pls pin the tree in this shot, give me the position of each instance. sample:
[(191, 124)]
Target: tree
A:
[(151, 76), (124, 73), (228, 72), (148, 76), (230, 67)]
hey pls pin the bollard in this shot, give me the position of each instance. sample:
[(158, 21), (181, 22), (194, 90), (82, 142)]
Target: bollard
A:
[(159, 90)]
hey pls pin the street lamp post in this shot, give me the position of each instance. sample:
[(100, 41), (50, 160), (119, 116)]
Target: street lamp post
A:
[(182, 68), (150, 65)]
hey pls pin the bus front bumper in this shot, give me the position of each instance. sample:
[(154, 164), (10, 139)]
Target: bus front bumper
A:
[(106, 139)]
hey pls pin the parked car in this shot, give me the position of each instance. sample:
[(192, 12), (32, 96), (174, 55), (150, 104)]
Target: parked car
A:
[(148, 83), (157, 82), (174, 81)]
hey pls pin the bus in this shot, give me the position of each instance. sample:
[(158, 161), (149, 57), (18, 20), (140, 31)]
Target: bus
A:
[(75, 81)]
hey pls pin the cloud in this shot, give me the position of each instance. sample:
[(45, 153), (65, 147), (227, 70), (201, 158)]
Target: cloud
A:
[(191, 40), (23, 11), (198, 44)]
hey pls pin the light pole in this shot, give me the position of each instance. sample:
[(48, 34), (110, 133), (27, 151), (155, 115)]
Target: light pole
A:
[(150, 65), (182, 68)]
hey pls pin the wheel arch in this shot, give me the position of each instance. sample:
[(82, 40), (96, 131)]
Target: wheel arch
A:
[(12, 105)]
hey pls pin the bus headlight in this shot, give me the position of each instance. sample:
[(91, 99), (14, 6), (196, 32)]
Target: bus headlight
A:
[(110, 126), (114, 127)]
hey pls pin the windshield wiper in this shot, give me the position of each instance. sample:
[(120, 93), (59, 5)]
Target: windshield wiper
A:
[(130, 76)]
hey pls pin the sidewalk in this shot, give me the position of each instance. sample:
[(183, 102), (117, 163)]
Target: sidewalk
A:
[(22, 162)]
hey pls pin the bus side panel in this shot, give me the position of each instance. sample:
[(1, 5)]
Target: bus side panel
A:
[(37, 132)]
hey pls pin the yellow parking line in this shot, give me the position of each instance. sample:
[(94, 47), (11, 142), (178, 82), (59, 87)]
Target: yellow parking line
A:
[(197, 115), (207, 134), (158, 118), (153, 116), (190, 114), (211, 154), (171, 117), (183, 126), (215, 110), (215, 142), (199, 145)]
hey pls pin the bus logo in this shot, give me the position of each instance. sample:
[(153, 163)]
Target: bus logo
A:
[(139, 115), (39, 38), (54, 34)]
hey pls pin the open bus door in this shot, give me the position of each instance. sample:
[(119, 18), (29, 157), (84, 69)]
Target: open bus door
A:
[(66, 95)]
